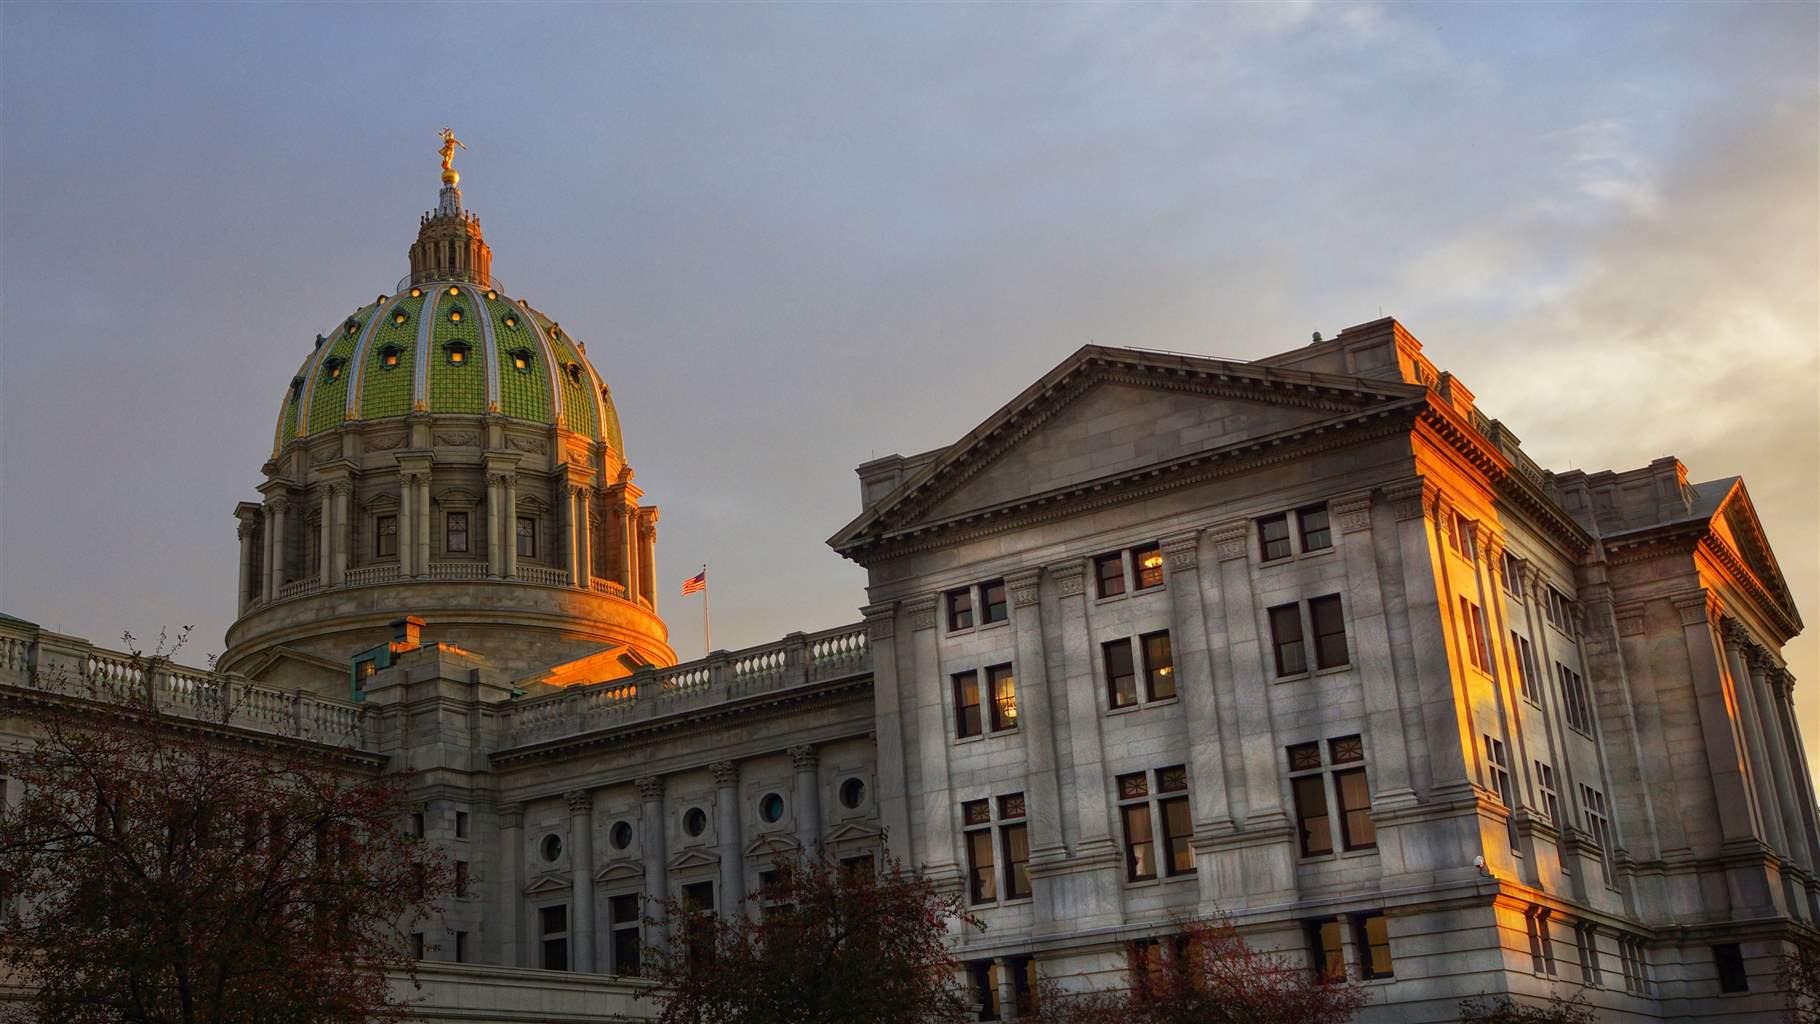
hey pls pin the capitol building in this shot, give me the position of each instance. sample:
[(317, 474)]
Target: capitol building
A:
[(1308, 641)]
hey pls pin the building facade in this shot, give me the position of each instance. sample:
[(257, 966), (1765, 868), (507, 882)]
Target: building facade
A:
[(1307, 642)]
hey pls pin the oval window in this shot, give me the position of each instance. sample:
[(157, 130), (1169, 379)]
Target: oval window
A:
[(400, 318), (491, 295), (510, 321), (852, 793), (550, 848), (454, 290), (771, 808), (417, 293), (620, 835), (695, 821)]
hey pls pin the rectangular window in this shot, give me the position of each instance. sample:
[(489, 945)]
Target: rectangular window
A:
[(461, 824), (985, 986), (1325, 941), (1004, 697), (417, 947), (1014, 836), (1598, 822), (385, 537), (527, 537), (1728, 957), (1459, 535), (1573, 699), (1526, 666), (461, 947), (1286, 639), (417, 824), (981, 874), (1311, 815), (1373, 937), (1159, 665), (1178, 832), (1309, 788), (1586, 937), (1511, 568), (1121, 673), (1472, 623), (455, 532), (1329, 631), (992, 602), (461, 878), (1557, 609), (967, 704), (623, 918), (1357, 831), (1498, 767), (1551, 799), (1140, 846), (1541, 941), (553, 922), (1109, 574), (1312, 521), (960, 609), (1273, 537), (1634, 963), (698, 897), (1147, 566), (698, 935)]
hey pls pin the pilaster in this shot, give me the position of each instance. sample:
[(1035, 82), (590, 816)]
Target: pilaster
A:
[(1036, 719), (732, 852), (807, 762), (888, 728), (581, 877), (938, 855)]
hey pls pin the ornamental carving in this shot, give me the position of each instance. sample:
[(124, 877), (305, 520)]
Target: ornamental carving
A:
[(387, 441), (1630, 620), (1412, 499), (1736, 636), (456, 439), (1182, 553), (726, 773), (1230, 540), (1025, 587), (650, 787), (1697, 607), (1763, 661), (246, 529), (881, 621), (580, 801), (324, 455), (534, 445), (511, 815), (921, 612), (1353, 512), (805, 757), (1070, 577)]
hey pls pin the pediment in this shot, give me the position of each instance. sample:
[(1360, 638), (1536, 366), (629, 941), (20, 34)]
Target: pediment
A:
[(621, 871), (547, 883), (1109, 415), (381, 502), (289, 669), (853, 832), (606, 664), (773, 845), (1735, 523), (694, 857)]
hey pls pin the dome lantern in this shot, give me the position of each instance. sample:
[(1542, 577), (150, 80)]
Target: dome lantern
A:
[(450, 246)]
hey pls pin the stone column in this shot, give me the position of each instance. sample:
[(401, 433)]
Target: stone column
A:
[(651, 823), (496, 534), (421, 534), (628, 549), (1781, 767), (1370, 639), (247, 531), (1416, 505), (1007, 989), (1035, 718), (277, 577), (1093, 819), (1783, 682), (1194, 688), (407, 518), (511, 883), (888, 727), (1758, 769), (1724, 748), (807, 761), (647, 555), (1251, 680), (562, 538), (508, 524), (325, 544), (581, 878), (732, 846), (344, 537), (933, 735), (584, 564)]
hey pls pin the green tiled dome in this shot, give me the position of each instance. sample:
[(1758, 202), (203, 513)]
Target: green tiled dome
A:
[(447, 347)]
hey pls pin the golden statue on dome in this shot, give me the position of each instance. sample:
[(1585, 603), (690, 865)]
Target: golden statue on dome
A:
[(449, 175)]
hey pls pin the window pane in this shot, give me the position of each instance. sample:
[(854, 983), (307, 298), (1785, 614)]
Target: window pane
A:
[(1172, 780), (556, 954), (626, 952), (983, 885), (1286, 636), (1329, 631), (992, 601), (960, 609), (1133, 786), (1177, 832), (1374, 944), (1121, 676), (1109, 572), (1345, 749), (527, 538), (1004, 697), (1304, 756), (967, 704), (1140, 850), (1011, 807), (385, 536), (1357, 830), (457, 538), (1147, 566), (1273, 537), (1311, 815), (1315, 534), (976, 812), (554, 919), (1159, 665), (1017, 861), (1329, 949)]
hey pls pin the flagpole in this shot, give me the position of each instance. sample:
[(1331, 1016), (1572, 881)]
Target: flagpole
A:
[(707, 631)]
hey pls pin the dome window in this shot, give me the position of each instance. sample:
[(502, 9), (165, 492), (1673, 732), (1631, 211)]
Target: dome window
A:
[(510, 320), (296, 388), (400, 318), (388, 357), (455, 315), (521, 360), (417, 293), (351, 326), (453, 291), (333, 366), (492, 295), (380, 301), (458, 352), (574, 372)]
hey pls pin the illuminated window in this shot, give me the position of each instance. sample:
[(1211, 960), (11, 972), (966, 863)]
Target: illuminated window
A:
[(400, 318), (491, 295), (351, 325), (1374, 946), (388, 357), (1159, 665), (510, 320), (455, 315), (1153, 808), (574, 372), (458, 352), (1146, 570), (1147, 566), (454, 290), (333, 368), (521, 360), (1003, 687), (417, 293)]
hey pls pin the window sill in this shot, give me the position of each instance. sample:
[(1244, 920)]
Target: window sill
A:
[(1333, 669), (1142, 591), (963, 631), (1100, 599), (1151, 883), (1531, 701), (985, 736), (1141, 705), (1000, 624)]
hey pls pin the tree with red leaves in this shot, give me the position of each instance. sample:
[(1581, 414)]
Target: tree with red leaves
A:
[(165, 870), (1208, 974), (818, 943)]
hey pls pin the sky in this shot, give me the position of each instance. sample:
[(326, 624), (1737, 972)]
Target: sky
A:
[(801, 236)]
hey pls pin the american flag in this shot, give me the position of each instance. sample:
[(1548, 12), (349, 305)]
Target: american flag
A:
[(699, 581)]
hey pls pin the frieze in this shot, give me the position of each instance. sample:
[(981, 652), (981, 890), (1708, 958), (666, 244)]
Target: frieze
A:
[(387, 441), (456, 439), (534, 445), (1697, 607), (1412, 499)]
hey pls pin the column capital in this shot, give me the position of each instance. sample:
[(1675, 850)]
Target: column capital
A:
[(580, 801), (921, 611), (1351, 511), (1231, 538), (245, 529), (1070, 577), (726, 773), (1413, 499), (805, 757), (1025, 586), (650, 787), (1763, 659), (1182, 551), (510, 815), (881, 620), (1698, 607), (1737, 637), (278, 502)]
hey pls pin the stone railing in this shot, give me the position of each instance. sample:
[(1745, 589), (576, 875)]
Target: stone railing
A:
[(799, 659), (298, 588), (543, 576), (611, 588), (48, 662), (368, 575), (458, 570)]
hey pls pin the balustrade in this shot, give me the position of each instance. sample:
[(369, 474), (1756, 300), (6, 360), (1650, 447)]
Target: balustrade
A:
[(543, 576)]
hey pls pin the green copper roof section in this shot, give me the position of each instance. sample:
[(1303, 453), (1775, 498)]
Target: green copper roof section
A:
[(456, 387), (609, 425), (328, 394), (577, 384), (523, 394), (386, 390)]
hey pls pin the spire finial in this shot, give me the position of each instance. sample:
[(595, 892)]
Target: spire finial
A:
[(449, 175)]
